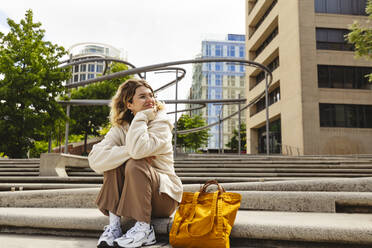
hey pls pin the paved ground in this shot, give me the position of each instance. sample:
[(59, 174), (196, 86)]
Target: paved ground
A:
[(41, 241)]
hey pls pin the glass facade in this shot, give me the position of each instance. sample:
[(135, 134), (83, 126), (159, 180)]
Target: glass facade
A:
[(218, 78), (332, 39), (345, 115), (345, 7), (343, 77)]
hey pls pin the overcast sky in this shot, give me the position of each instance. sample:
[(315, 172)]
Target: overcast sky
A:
[(149, 31)]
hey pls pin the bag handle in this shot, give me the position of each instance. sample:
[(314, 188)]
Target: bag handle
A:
[(209, 183)]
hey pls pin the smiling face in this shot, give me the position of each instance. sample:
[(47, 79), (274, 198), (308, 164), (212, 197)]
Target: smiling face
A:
[(142, 99)]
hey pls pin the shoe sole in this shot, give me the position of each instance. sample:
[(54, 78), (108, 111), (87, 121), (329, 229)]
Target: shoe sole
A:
[(103, 244), (139, 245)]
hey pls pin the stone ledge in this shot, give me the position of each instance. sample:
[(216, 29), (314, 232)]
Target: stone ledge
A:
[(54, 164), (290, 226), (251, 200)]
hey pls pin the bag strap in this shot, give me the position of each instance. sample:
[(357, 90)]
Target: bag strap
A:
[(190, 214), (212, 216)]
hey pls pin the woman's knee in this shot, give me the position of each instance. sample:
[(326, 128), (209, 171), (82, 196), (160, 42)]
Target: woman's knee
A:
[(134, 165)]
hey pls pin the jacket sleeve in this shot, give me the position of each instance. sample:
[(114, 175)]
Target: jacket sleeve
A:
[(143, 140), (110, 153)]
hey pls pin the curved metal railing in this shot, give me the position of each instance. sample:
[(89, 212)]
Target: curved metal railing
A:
[(169, 66)]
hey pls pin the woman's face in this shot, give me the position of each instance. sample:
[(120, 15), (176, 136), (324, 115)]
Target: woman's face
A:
[(142, 99)]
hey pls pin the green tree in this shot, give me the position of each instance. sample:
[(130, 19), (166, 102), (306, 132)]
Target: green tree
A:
[(233, 144), (192, 141), (361, 37), (30, 81), (88, 120)]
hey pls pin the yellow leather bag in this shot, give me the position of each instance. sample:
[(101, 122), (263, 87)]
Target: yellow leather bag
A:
[(205, 219)]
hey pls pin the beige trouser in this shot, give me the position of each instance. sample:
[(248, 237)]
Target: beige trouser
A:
[(137, 196)]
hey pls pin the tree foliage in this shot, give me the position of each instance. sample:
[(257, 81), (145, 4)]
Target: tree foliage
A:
[(233, 144), (88, 120), (361, 37), (30, 81), (192, 141)]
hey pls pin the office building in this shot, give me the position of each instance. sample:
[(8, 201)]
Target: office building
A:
[(89, 50), (320, 101), (220, 80)]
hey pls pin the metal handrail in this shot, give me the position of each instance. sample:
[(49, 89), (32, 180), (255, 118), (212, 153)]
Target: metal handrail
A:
[(167, 66)]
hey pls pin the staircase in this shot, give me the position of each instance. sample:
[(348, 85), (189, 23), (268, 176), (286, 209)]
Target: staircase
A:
[(289, 202)]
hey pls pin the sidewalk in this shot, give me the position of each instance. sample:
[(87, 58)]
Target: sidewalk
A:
[(43, 241)]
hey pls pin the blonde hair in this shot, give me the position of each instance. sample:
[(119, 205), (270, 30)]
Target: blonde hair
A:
[(119, 113)]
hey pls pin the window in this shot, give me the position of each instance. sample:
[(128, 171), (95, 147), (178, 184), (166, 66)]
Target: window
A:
[(208, 50), (263, 17), (231, 80), (345, 115), (218, 66), (266, 42), (343, 77), (231, 51), (241, 52), (209, 79), (231, 67), (90, 67), (218, 80), (242, 68), (272, 66), (345, 7), (236, 37), (274, 96), (76, 78), (82, 77), (83, 68), (99, 68), (242, 81), (90, 75), (218, 50), (76, 68), (332, 39)]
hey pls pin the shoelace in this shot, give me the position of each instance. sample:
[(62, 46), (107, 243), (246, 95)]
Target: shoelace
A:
[(108, 230), (137, 227)]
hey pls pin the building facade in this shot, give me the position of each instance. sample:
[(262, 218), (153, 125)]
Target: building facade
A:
[(320, 100), (220, 80), (89, 50)]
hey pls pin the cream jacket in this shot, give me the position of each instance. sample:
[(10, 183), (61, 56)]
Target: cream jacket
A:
[(149, 134)]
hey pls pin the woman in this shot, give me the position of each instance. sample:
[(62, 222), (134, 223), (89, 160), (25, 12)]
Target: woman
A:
[(136, 158)]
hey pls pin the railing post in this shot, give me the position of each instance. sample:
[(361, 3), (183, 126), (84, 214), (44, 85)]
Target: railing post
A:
[(267, 116), (68, 116), (175, 118), (239, 123)]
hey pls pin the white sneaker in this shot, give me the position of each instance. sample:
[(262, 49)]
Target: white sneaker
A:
[(108, 236), (137, 236)]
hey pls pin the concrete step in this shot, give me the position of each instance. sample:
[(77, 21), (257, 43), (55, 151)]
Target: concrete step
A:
[(279, 174), (40, 179), (294, 201), (240, 161), (43, 186), (19, 166), (20, 161), (272, 165), (331, 228), (99, 179), (19, 174), (17, 169), (317, 184), (232, 170)]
